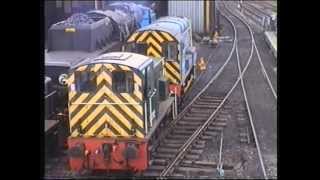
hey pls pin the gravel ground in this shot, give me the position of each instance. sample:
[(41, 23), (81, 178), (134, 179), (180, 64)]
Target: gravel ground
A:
[(264, 114), (263, 106), (215, 58)]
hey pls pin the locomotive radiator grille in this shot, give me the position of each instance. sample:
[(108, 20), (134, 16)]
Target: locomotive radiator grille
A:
[(103, 112)]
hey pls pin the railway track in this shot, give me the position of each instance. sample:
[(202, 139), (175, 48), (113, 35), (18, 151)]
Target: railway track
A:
[(215, 59), (245, 92), (179, 147), (272, 5), (241, 18), (260, 16), (198, 113)]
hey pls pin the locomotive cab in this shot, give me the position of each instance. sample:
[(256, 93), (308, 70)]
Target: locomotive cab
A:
[(170, 38), (113, 104)]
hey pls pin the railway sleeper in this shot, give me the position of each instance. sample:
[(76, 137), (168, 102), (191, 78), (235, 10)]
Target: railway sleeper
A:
[(195, 151), (192, 157), (177, 175), (162, 155), (198, 146), (206, 137), (200, 109), (210, 101), (227, 107), (200, 142), (188, 127), (224, 112), (244, 140), (211, 133), (204, 164), (183, 131), (156, 161), (243, 134), (197, 115), (178, 143), (156, 168), (195, 170), (177, 136), (215, 128), (171, 145), (211, 97), (206, 106), (220, 123), (206, 103), (199, 163), (242, 119), (167, 150), (241, 114), (170, 150), (172, 141), (193, 123), (151, 174)]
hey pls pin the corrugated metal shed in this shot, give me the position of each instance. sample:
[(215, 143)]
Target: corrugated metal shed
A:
[(200, 12), (194, 10)]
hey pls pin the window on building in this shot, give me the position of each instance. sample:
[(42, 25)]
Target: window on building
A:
[(85, 81), (59, 3), (170, 51), (67, 6), (137, 48), (122, 81)]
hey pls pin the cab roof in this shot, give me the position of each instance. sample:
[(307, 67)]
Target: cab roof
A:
[(132, 60), (170, 24)]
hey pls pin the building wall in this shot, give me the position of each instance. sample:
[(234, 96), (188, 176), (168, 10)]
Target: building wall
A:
[(200, 12)]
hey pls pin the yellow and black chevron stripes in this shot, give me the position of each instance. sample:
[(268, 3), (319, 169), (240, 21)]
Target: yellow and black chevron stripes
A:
[(167, 36), (133, 37), (186, 88), (141, 36), (172, 72), (104, 112), (154, 39)]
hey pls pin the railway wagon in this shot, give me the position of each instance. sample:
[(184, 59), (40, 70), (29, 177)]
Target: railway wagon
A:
[(88, 34), (171, 38), (123, 23), (142, 14), (71, 41), (116, 102)]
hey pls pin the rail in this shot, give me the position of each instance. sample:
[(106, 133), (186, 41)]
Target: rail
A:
[(187, 144), (246, 100), (183, 112)]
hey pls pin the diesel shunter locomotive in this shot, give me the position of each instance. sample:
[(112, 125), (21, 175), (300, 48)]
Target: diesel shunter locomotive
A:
[(116, 102), (169, 37)]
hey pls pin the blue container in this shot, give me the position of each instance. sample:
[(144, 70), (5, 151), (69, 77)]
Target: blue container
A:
[(149, 16)]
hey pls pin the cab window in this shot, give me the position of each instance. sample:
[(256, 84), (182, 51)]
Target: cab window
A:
[(122, 81), (137, 48), (85, 81), (170, 51)]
